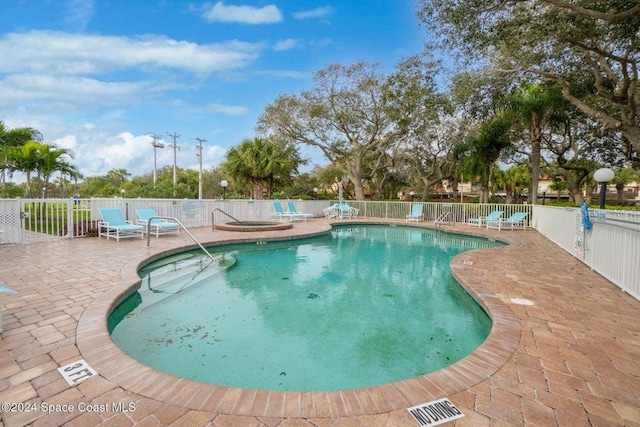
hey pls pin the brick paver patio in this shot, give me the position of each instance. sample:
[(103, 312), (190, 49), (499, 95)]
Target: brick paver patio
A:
[(571, 358)]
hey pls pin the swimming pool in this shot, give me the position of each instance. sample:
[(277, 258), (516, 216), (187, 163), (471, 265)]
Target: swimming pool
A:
[(365, 305)]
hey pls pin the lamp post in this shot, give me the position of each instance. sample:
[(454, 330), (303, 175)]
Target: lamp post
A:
[(224, 184), (412, 194), (122, 193), (315, 193), (603, 176), (544, 190)]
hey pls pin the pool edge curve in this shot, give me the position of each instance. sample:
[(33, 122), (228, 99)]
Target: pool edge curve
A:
[(97, 349)]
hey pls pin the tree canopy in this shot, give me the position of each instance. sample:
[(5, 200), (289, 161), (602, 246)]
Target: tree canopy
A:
[(355, 114), (260, 162), (590, 48)]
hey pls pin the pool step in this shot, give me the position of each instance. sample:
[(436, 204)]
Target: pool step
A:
[(183, 271), (173, 282), (170, 263)]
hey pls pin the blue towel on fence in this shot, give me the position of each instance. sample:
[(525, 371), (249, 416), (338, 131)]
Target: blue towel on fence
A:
[(586, 221)]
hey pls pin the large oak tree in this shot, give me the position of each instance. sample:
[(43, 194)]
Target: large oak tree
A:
[(591, 48), (356, 114)]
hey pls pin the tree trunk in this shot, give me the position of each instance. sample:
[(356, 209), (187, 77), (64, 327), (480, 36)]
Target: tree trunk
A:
[(536, 141), (256, 189), (359, 189), (620, 191)]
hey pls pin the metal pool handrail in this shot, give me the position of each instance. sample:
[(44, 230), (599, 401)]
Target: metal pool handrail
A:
[(213, 222), (183, 227)]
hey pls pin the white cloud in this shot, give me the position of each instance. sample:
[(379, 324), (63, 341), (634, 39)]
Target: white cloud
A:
[(286, 44), (65, 53), (220, 12), (97, 151), (287, 74), (79, 12), (319, 12), (230, 110), (66, 90)]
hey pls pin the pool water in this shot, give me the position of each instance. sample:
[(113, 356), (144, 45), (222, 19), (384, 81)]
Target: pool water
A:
[(362, 306)]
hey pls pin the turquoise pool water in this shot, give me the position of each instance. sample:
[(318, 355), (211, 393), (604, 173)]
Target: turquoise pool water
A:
[(362, 306)]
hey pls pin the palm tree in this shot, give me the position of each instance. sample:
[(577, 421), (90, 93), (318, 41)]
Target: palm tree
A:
[(43, 159), (514, 180), (118, 176), (479, 152), (534, 104), (25, 159), (262, 162), (9, 140), (621, 179), (52, 159)]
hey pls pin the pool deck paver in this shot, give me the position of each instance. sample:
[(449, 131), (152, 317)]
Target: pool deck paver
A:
[(570, 359)]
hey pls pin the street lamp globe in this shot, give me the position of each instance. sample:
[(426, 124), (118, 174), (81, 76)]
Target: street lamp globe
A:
[(603, 176), (224, 184), (544, 190)]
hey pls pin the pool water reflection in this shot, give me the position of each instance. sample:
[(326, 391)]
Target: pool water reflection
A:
[(363, 306)]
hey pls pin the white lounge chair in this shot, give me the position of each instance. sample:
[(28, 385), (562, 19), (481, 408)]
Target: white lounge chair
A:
[(113, 224), (480, 221), (157, 226), (515, 221), (416, 212), (279, 213), (346, 211), (293, 211)]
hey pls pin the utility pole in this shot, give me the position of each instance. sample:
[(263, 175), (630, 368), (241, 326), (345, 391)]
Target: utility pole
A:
[(199, 155), (156, 145), (175, 136)]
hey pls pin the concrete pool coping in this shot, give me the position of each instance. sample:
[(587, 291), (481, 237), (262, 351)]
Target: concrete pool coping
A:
[(99, 351), (575, 363), (253, 226)]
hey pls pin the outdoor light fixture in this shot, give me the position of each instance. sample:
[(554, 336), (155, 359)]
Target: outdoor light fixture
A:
[(122, 192), (224, 184), (603, 176), (315, 192), (544, 190)]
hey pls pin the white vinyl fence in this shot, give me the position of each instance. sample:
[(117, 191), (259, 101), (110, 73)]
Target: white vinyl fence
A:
[(28, 220), (611, 247)]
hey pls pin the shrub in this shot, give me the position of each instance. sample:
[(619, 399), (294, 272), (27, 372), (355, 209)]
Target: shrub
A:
[(82, 228)]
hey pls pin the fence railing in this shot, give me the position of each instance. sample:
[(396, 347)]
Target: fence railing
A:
[(27, 220), (612, 247)]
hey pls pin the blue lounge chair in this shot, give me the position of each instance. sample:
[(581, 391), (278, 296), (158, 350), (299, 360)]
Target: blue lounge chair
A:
[(416, 212), (279, 213), (493, 216), (343, 210), (157, 226), (515, 221), (340, 210), (293, 211), (113, 224)]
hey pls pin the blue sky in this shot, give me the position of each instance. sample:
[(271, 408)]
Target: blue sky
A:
[(98, 77)]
